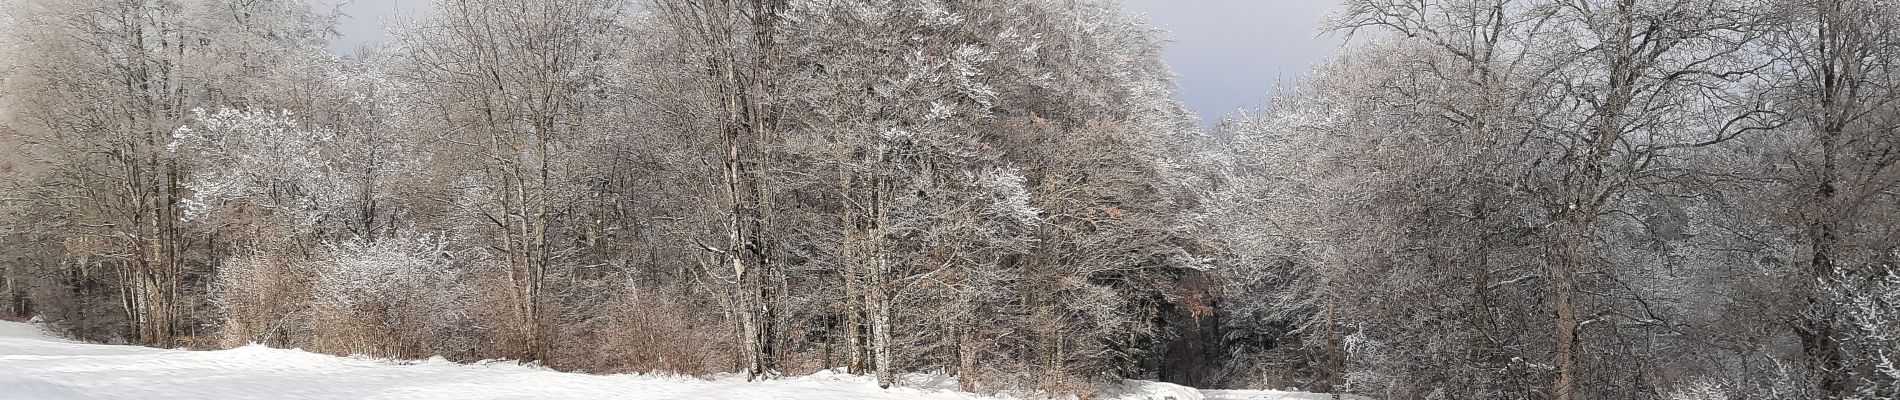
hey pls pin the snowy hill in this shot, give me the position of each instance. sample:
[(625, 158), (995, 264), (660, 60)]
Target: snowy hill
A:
[(36, 366)]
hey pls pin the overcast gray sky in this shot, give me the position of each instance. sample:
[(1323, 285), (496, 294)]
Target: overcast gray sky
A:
[(1229, 53)]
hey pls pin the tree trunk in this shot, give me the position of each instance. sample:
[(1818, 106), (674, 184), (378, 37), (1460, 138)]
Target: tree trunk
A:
[(881, 338), (880, 285), (1334, 363), (1564, 274), (966, 357), (1817, 330), (854, 298)]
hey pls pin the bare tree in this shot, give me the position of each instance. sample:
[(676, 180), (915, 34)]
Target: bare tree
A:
[(512, 78), (734, 40)]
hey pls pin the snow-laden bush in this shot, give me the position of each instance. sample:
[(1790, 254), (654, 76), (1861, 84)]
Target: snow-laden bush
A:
[(1872, 307), (400, 296), (1701, 389)]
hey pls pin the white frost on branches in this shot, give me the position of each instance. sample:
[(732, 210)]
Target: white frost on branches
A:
[(260, 158)]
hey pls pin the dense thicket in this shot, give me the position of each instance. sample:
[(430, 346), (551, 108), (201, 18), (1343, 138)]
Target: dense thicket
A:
[(1476, 199)]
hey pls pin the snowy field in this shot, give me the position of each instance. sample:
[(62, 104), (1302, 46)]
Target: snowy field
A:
[(36, 366)]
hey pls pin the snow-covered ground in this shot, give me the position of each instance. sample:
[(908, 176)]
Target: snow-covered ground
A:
[(1271, 395), (39, 367)]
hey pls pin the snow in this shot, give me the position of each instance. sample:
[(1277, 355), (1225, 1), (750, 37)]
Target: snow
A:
[(36, 366), (1273, 395), (1131, 389)]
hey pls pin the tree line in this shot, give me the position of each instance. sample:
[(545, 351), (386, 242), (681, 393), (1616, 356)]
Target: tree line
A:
[(1474, 199)]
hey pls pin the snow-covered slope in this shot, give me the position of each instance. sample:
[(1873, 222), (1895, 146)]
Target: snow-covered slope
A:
[(39, 367)]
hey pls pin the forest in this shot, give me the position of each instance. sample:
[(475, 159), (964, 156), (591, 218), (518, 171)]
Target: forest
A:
[(1472, 199)]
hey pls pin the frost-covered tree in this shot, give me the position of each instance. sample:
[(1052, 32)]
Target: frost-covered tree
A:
[(905, 139), (1839, 171), (266, 183), (262, 162), (1103, 149), (1358, 199), (1523, 163)]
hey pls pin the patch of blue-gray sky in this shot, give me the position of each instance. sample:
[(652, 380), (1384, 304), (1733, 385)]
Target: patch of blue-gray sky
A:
[(1230, 54)]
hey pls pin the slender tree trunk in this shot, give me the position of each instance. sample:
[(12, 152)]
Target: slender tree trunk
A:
[(966, 356), (880, 285), (1335, 363), (854, 299), (881, 335)]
